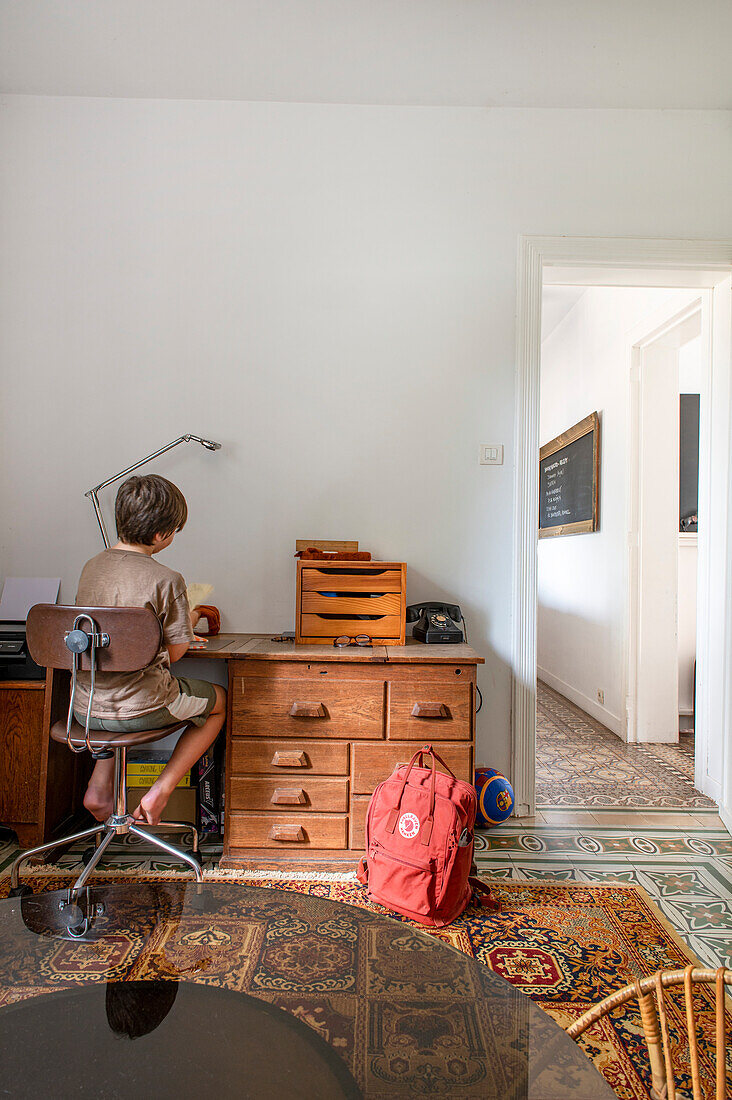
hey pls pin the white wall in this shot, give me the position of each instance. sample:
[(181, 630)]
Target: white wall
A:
[(688, 568), (582, 579), (690, 369), (330, 291)]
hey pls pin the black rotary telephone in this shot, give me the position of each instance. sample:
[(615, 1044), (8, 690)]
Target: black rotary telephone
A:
[(436, 622)]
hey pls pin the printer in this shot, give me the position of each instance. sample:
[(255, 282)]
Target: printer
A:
[(16, 662), (18, 596)]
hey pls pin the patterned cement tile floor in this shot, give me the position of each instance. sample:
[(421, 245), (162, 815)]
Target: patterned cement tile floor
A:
[(580, 763), (684, 865), (686, 870)]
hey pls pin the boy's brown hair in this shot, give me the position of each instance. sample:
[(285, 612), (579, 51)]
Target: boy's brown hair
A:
[(147, 506)]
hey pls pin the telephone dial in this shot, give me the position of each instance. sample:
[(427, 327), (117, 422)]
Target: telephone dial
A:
[(436, 622)]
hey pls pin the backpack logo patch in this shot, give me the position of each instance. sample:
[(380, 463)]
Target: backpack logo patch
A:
[(409, 826)]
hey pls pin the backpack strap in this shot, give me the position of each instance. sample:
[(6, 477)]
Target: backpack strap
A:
[(394, 812), (426, 830), (482, 894), (436, 756), (362, 871)]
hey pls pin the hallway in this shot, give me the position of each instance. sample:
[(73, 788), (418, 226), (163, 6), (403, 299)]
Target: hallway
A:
[(581, 764)]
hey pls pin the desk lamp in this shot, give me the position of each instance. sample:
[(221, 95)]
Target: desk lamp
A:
[(92, 493)]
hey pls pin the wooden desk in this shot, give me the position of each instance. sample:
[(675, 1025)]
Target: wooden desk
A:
[(311, 730), (41, 782)]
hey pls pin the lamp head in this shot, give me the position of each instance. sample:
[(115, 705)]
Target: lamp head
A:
[(209, 444)]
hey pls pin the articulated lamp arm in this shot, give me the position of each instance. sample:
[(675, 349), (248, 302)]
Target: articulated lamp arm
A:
[(93, 493)]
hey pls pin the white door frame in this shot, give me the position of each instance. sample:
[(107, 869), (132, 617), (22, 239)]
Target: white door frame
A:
[(667, 323), (534, 254)]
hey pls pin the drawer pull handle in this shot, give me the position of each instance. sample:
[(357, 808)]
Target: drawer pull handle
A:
[(307, 710), (285, 759), (287, 832), (289, 796), (430, 710)]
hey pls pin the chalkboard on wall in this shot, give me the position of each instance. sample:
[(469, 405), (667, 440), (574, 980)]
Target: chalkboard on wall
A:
[(569, 474)]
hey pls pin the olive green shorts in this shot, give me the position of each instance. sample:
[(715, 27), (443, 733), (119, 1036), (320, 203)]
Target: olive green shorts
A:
[(194, 704)]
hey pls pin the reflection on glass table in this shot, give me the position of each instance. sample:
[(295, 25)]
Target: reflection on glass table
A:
[(261, 992)]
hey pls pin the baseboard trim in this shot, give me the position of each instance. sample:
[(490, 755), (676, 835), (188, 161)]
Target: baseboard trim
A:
[(726, 817), (596, 710), (711, 788)]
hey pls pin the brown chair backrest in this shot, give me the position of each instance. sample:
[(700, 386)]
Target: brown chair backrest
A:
[(135, 636)]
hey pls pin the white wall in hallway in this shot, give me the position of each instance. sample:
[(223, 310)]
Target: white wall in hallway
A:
[(582, 579), (688, 569), (689, 382)]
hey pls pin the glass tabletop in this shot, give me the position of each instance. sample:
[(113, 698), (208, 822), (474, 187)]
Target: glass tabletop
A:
[(158, 989)]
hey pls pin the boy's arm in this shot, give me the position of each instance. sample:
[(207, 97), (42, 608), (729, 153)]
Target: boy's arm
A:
[(175, 652), (177, 620)]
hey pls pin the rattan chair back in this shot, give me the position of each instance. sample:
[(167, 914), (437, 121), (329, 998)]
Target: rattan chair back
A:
[(651, 996)]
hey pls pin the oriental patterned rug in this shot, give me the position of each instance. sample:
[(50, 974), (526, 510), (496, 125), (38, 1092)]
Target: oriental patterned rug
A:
[(565, 945)]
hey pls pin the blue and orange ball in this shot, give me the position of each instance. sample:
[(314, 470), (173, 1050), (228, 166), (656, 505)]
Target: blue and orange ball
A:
[(495, 797)]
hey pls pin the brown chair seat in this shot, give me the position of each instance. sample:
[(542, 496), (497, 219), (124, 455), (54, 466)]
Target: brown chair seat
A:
[(102, 739)]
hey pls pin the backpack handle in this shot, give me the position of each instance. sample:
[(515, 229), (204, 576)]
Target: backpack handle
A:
[(426, 830)]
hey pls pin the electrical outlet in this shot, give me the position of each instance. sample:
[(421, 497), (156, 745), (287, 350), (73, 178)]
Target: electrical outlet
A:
[(601, 696), (491, 454)]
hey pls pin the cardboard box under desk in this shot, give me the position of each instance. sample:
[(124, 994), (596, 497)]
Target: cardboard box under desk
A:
[(181, 805)]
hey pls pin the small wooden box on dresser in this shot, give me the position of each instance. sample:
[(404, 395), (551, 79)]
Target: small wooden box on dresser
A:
[(313, 730)]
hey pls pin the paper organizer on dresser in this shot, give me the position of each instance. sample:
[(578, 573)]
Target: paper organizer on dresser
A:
[(313, 731), (350, 597)]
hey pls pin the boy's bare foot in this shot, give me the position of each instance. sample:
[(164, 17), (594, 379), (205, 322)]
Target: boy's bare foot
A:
[(99, 802), (152, 804)]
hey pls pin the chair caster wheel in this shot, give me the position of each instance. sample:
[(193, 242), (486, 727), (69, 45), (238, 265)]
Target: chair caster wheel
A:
[(22, 890)]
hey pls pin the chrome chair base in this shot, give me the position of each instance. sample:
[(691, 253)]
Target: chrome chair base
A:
[(118, 823)]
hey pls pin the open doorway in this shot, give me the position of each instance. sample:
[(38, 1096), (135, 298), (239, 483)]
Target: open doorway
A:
[(616, 581), (701, 266)]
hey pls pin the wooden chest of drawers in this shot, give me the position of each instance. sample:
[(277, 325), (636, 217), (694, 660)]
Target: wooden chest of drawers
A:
[(309, 740)]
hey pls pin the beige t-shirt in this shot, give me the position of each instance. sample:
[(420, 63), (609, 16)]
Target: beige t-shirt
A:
[(127, 578)]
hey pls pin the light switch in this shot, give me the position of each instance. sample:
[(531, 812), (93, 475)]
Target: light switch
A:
[(491, 454)]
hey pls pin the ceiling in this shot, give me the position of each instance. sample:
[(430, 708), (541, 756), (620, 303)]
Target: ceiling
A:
[(482, 53)]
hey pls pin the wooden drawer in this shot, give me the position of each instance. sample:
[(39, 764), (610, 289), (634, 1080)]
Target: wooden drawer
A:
[(373, 763), (304, 708), (357, 827), (353, 604), (351, 663), (288, 757), (290, 795), (380, 628), (337, 578), (427, 709), (288, 832)]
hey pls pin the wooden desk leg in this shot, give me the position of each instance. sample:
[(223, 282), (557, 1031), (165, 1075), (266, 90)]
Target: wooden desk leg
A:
[(59, 776), (227, 755)]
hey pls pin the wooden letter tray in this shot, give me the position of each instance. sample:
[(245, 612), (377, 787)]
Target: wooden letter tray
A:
[(351, 597)]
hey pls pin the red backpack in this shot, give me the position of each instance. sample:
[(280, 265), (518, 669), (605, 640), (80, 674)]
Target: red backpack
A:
[(419, 843)]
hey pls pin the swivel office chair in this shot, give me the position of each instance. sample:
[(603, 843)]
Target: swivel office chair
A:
[(94, 640)]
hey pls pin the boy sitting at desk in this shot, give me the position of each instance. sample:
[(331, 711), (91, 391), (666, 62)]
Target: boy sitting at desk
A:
[(149, 511)]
